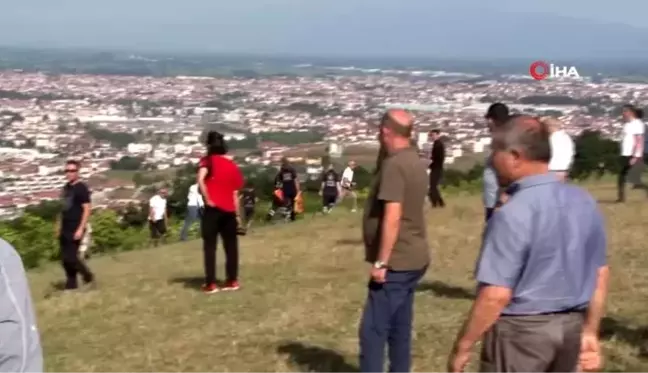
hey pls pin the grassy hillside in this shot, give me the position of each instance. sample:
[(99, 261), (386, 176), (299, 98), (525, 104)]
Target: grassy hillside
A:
[(303, 287)]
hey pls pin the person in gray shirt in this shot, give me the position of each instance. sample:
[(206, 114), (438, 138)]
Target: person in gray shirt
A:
[(542, 272), (20, 348), (496, 115)]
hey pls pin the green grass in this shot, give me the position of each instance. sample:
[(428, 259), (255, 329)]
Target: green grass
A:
[(303, 289)]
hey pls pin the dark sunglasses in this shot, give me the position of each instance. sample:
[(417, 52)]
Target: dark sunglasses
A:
[(69, 170)]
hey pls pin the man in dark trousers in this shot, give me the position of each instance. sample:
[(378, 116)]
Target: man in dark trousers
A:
[(72, 226), (437, 158)]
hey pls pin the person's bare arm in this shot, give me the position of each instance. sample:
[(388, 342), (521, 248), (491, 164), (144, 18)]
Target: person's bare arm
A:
[(237, 203), (596, 308), (200, 179), (637, 149), (85, 216), (490, 302)]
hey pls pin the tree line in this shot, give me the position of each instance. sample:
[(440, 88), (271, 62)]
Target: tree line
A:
[(126, 229)]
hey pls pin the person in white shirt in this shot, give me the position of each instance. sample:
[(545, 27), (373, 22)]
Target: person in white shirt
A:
[(195, 205), (562, 148), (158, 216), (347, 185), (632, 142)]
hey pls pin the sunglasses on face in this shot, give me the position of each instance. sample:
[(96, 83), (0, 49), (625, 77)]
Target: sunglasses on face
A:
[(70, 170)]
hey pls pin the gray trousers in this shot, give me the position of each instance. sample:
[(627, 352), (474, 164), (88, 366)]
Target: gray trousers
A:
[(538, 343)]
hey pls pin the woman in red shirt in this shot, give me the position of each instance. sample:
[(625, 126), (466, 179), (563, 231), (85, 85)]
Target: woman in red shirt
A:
[(219, 179)]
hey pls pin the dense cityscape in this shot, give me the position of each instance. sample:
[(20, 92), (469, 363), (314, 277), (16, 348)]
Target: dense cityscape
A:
[(155, 123)]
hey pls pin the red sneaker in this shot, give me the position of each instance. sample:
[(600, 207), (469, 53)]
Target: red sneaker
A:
[(231, 286), (210, 289)]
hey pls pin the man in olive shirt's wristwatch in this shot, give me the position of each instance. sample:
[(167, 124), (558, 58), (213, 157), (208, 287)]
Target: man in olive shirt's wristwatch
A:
[(379, 265)]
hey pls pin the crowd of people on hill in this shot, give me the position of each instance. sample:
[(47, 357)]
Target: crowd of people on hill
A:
[(542, 273)]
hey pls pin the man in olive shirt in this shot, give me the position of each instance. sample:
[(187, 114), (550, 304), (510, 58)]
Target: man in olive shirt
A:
[(396, 246)]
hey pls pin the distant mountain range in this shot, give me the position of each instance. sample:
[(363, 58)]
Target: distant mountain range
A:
[(426, 29)]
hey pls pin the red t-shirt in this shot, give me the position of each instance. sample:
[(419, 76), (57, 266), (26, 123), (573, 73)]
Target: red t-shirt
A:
[(223, 179)]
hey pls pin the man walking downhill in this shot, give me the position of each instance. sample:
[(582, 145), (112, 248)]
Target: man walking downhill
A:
[(437, 159), (562, 149), (158, 216), (330, 189), (496, 116), (631, 145), (542, 270), (348, 186), (395, 240), (71, 226), (195, 205), (20, 347)]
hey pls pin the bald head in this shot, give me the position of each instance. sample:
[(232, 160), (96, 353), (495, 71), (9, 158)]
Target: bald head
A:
[(398, 121), (524, 135)]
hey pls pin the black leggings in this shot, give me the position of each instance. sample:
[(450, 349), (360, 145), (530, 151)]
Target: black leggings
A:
[(216, 222)]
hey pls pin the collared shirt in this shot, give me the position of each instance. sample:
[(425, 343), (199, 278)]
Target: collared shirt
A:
[(491, 185), (194, 198), (546, 243)]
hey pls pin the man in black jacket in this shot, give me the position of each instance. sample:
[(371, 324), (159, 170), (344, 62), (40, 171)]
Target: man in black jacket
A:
[(437, 158)]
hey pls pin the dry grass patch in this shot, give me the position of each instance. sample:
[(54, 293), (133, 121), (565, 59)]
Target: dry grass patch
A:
[(303, 289)]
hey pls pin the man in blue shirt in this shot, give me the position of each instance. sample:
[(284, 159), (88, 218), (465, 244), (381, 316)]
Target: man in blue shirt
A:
[(20, 347), (496, 115), (542, 270)]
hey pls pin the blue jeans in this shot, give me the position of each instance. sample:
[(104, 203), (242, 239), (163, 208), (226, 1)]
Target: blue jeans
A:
[(387, 319), (193, 213)]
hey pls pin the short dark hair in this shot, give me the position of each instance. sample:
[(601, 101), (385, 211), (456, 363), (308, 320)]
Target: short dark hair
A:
[(74, 163), (216, 143), (436, 131), (498, 113), (526, 135), (635, 110)]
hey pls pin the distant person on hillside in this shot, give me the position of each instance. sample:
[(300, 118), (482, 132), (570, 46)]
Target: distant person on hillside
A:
[(562, 149), (437, 161), (394, 232), (634, 176), (20, 346), (600, 170), (631, 145), (330, 189), (287, 181), (72, 226), (248, 202), (158, 216), (220, 181), (496, 116), (195, 205), (348, 186), (542, 273)]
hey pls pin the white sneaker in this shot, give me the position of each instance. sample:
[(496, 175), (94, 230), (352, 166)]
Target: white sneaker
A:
[(353, 210)]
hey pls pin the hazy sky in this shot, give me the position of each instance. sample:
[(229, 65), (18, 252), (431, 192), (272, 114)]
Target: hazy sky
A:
[(291, 26)]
